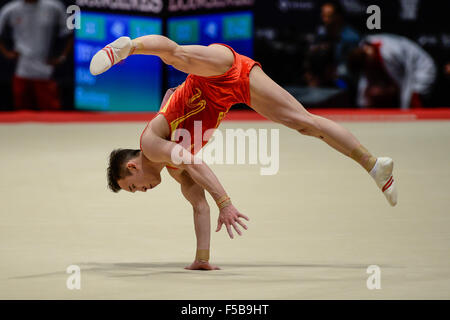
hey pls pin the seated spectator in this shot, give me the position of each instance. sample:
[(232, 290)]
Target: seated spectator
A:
[(320, 68), (323, 89), (392, 68), (340, 36)]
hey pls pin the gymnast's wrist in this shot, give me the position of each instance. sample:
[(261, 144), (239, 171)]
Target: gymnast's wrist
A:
[(202, 255), (223, 202)]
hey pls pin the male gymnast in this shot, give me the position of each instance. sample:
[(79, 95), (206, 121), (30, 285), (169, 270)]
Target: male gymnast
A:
[(218, 78)]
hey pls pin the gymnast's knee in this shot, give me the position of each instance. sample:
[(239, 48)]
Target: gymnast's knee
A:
[(308, 125)]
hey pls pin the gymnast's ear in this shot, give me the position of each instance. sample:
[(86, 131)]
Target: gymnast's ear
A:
[(131, 165)]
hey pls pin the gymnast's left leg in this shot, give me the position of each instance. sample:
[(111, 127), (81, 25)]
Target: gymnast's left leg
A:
[(276, 104)]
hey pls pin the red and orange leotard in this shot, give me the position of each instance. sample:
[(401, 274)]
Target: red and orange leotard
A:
[(207, 99)]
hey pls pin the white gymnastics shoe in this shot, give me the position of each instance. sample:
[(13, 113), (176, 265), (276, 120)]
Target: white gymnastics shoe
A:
[(382, 174), (110, 55)]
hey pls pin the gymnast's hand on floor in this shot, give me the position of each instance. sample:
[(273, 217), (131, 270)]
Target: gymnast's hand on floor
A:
[(230, 216), (201, 265)]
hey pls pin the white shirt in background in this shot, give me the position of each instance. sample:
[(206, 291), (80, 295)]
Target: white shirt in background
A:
[(410, 66), (33, 26)]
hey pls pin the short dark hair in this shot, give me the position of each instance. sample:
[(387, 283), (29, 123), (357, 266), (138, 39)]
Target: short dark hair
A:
[(117, 169)]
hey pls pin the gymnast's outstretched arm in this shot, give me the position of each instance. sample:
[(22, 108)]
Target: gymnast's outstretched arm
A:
[(195, 194)]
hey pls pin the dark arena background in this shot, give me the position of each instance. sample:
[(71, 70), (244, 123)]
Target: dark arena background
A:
[(318, 228)]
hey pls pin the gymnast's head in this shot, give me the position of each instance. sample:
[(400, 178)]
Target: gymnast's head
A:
[(128, 170)]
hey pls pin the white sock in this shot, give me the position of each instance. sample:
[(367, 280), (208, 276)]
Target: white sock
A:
[(373, 172)]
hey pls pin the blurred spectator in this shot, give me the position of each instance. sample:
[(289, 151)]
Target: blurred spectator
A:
[(320, 74), (34, 25), (336, 33), (392, 68), (320, 67), (447, 70), (326, 59)]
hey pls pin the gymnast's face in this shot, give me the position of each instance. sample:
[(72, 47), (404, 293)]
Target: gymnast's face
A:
[(140, 179)]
